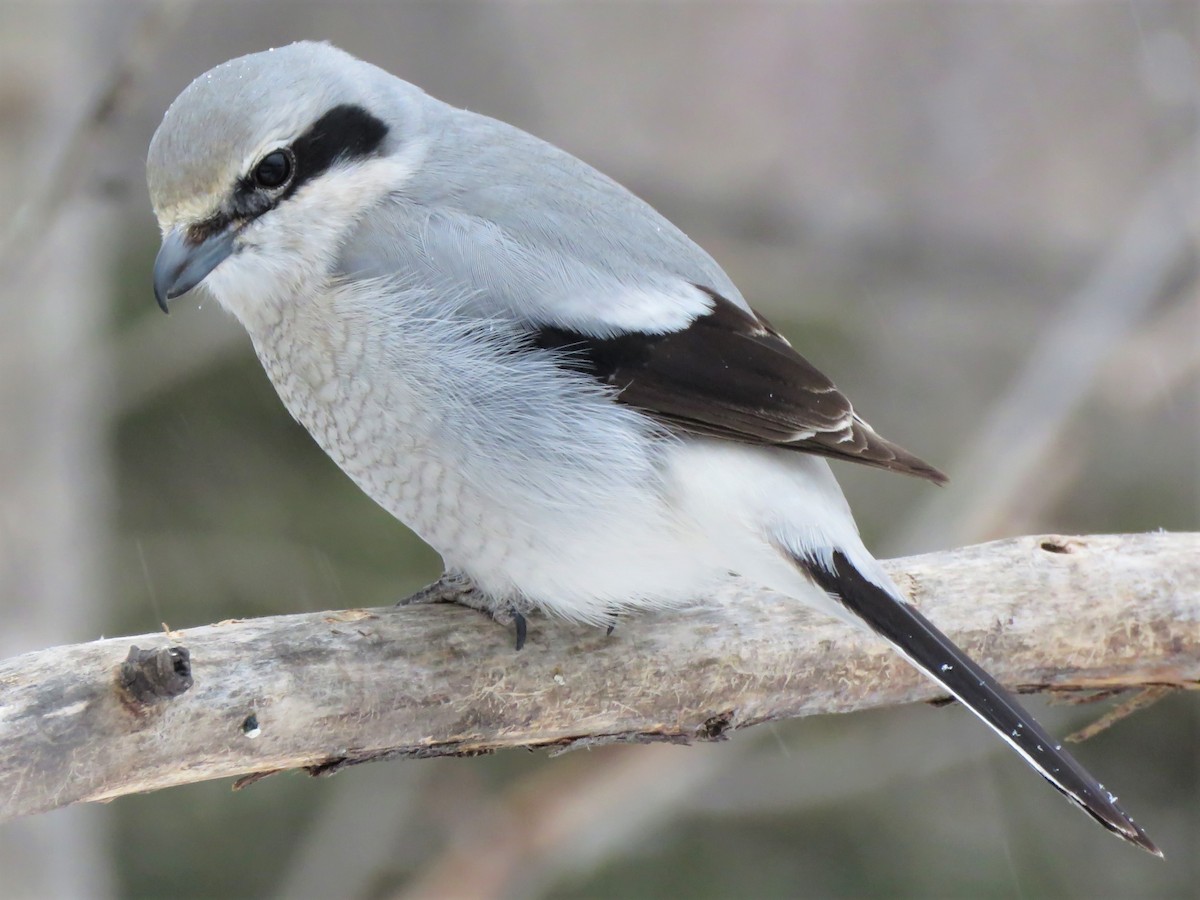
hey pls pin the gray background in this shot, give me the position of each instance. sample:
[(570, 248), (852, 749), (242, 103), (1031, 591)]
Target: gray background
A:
[(978, 218)]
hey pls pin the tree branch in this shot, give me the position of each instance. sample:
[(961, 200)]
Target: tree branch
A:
[(326, 690)]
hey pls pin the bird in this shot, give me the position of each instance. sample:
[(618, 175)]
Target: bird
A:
[(530, 367)]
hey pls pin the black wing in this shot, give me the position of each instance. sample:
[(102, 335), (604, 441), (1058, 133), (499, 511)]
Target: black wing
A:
[(731, 375)]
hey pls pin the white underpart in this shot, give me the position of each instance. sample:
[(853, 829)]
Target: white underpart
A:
[(765, 507), (527, 478)]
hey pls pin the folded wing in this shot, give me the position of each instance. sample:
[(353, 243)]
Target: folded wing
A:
[(729, 374)]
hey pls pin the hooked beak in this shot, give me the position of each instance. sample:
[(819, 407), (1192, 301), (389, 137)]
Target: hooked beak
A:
[(182, 264)]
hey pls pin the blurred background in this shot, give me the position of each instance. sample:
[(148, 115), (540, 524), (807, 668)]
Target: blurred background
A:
[(979, 219)]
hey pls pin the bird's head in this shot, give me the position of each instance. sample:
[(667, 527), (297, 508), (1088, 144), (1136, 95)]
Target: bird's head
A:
[(262, 165)]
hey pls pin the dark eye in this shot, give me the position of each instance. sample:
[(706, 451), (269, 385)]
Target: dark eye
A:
[(273, 170)]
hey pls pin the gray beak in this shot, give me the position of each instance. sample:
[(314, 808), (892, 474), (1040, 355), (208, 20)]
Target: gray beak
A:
[(182, 264)]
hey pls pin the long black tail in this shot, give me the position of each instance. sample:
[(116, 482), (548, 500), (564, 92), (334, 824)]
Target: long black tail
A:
[(937, 656)]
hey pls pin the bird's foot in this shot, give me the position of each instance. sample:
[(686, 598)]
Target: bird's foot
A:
[(452, 587), (456, 588)]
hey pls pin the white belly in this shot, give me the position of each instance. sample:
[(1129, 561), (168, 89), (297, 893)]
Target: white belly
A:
[(539, 490)]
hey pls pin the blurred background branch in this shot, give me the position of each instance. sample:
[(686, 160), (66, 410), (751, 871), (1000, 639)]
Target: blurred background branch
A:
[(1019, 444)]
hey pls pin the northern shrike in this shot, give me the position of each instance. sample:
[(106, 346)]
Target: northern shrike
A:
[(530, 367)]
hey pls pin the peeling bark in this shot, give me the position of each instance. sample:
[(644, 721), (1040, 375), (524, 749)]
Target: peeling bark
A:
[(325, 690)]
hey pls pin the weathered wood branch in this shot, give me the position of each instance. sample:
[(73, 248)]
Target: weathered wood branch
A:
[(325, 690)]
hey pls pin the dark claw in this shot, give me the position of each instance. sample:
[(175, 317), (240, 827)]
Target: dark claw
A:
[(612, 624), (519, 622)]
